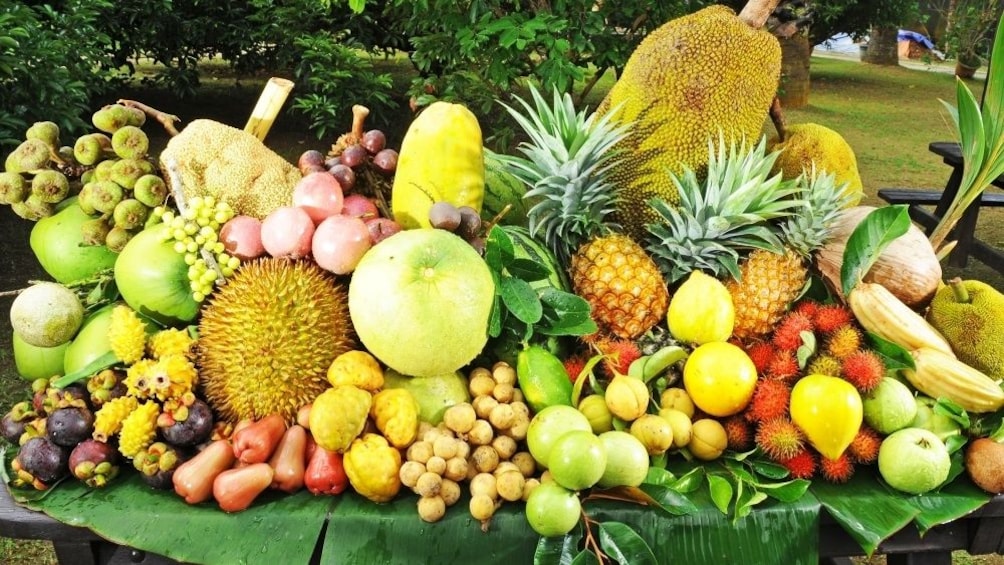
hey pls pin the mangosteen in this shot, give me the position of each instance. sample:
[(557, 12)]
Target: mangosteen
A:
[(69, 426), (94, 462), (194, 429), (44, 460), (157, 464), (14, 422)]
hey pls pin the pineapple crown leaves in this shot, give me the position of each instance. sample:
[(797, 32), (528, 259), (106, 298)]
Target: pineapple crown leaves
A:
[(727, 213), (566, 161), (823, 199)]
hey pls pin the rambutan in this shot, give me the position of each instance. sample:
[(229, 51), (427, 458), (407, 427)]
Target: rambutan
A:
[(783, 366), (843, 342), (574, 365), (824, 365), (839, 470), (831, 317), (865, 446), (738, 432), (864, 369), (779, 438), (788, 333), (806, 308), (802, 465), (620, 353), (770, 401), (760, 352)]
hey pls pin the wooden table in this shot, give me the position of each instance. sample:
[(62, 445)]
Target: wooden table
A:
[(981, 532)]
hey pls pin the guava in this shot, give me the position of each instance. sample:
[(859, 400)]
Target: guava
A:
[(420, 302), (57, 242), (46, 314), (153, 278), (943, 426), (434, 394), (889, 406), (627, 460), (90, 342), (913, 460), (552, 510), (34, 362), (548, 425), (577, 460)]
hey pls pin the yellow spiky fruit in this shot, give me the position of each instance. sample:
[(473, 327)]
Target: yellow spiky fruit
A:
[(108, 420), (169, 341), (267, 338), (126, 334), (139, 429)]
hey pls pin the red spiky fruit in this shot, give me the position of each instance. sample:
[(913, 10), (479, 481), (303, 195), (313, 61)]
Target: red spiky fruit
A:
[(770, 401), (864, 369), (738, 432), (831, 317), (620, 353), (839, 470), (779, 438), (865, 446), (806, 308), (788, 333), (574, 366), (843, 342), (760, 352), (783, 366), (802, 465)]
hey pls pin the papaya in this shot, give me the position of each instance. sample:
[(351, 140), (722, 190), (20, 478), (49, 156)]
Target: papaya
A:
[(441, 160)]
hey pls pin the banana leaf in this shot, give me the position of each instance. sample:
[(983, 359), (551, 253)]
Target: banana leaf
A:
[(953, 501), (868, 510)]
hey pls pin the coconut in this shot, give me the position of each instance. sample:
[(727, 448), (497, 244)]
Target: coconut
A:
[(908, 267)]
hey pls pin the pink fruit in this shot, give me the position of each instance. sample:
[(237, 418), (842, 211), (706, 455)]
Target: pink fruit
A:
[(241, 237), (358, 206), (340, 242), (319, 194), (287, 232), (382, 228)]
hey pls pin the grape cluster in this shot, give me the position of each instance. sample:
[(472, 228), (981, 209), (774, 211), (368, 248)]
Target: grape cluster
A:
[(463, 221), (480, 442), (195, 233)]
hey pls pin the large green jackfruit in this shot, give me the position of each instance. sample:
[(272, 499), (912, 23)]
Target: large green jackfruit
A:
[(805, 144), (693, 77), (970, 314)]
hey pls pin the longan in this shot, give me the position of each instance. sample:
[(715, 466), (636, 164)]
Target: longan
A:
[(505, 446), (503, 393), (485, 458), (460, 417), (481, 433), (526, 463), (445, 447), (419, 451), (520, 407), (510, 485), (436, 465), (483, 406), (432, 435), (463, 449), (503, 467), (502, 417), (428, 484), (431, 508), (517, 396), (456, 469), (484, 484), (410, 472), (519, 428), (482, 507), (503, 373), (481, 382), (449, 491), (528, 487)]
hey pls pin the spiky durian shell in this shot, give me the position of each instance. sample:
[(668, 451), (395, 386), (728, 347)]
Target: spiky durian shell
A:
[(267, 338)]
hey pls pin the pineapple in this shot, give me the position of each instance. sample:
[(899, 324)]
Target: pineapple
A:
[(769, 282), (568, 159)]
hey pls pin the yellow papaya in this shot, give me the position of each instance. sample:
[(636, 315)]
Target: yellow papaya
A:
[(441, 160)]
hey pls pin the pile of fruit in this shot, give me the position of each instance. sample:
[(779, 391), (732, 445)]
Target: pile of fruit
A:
[(651, 282)]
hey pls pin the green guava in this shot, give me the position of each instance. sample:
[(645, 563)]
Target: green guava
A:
[(547, 427), (57, 242), (46, 314), (434, 394), (552, 510), (889, 406), (420, 302), (913, 460), (627, 460), (577, 460)]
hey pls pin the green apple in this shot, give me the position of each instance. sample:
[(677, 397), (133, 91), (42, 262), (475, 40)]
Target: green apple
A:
[(889, 406), (942, 426), (627, 460), (552, 510), (577, 460), (913, 460), (548, 425), (434, 394), (420, 302)]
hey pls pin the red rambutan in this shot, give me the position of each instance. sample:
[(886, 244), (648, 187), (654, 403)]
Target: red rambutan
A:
[(620, 353), (770, 401), (806, 308), (760, 352), (865, 446), (839, 470), (864, 369), (739, 433), (574, 366), (788, 333), (783, 366), (802, 465), (779, 438), (843, 342), (831, 317)]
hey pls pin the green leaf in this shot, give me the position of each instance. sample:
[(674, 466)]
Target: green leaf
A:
[(690, 481), (100, 363), (357, 6), (951, 409), (893, 355), (738, 470), (807, 349), (568, 314), (624, 545), (554, 550), (878, 229), (721, 492), (585, 557), (499, 250), (954, 501), (867, 510), (584, 376), (521, 300), (746, 501), (527, 269), (769, 469), (659, 477), (669, 500), (788, 491)]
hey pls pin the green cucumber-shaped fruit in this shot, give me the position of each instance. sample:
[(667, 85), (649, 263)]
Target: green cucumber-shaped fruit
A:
[(542, 378)]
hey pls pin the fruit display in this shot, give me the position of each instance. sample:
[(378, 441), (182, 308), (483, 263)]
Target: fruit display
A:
[(631, 304)]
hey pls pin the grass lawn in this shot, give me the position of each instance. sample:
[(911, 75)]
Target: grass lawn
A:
[(888, 115)]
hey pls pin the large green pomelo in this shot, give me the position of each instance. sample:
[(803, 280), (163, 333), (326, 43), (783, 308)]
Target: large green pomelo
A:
[(91, 341), (33, 362), (420, 301), (153, 278), (434, 394), (58, 245)]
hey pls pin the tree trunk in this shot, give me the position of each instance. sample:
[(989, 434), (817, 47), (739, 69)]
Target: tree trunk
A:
[(883, 47), (795, 52)]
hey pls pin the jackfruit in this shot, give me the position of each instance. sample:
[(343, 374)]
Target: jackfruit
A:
[(970, 314), (805, 144), (214, 159), (688, 81)]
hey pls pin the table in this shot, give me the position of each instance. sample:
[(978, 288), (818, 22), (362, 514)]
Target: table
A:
[(980, 532)]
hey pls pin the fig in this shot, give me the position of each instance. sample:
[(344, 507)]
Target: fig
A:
[(43, 460), (94, 462), (69, 426), (150, 190), (193, 430)]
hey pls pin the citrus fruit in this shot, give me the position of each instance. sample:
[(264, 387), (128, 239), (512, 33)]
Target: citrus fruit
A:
[(434, 394), (548, 425), (701, 310), (720, 378)]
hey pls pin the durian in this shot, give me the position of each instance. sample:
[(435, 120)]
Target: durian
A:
[(268, 336)]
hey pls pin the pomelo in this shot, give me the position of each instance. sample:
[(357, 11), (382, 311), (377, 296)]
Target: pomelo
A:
[(420, 302), (434, 394), (46, 314)]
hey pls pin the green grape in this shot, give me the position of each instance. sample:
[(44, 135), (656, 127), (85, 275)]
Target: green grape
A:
[(211, 238), (209, 276), (179, 247), (178, 223), (227, 271), (218, 247), (191, 229), (210, 202), (233, 263), (192, 247), (189, 259), (222, 258), (194, 286), (200, 240), (167, 216), (198, 296), (221, 217)]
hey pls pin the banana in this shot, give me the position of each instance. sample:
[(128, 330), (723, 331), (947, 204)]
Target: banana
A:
[(880, 312), (940, 375)]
